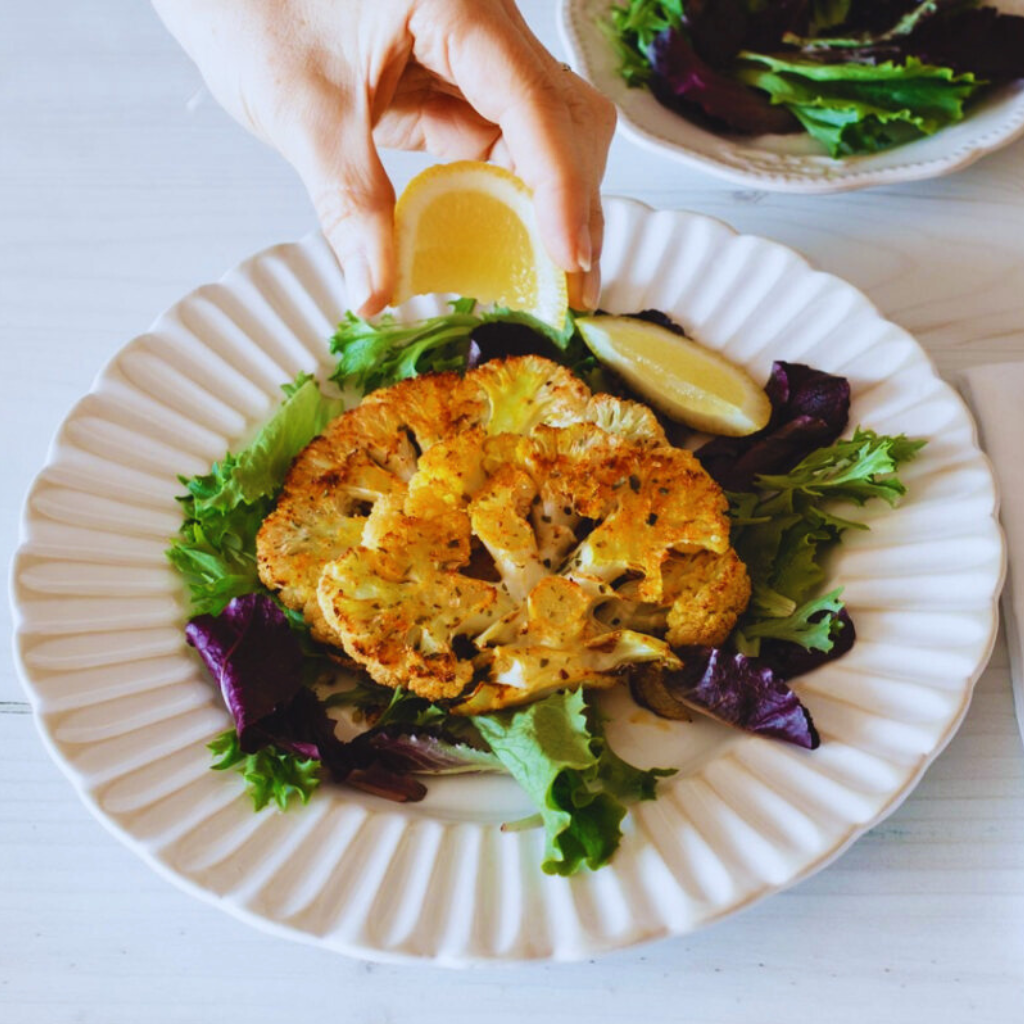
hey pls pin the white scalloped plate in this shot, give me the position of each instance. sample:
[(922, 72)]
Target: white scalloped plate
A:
[(783, 163), (126, 709)]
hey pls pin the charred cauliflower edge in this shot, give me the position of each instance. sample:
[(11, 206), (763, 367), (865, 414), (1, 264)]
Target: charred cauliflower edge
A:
[(485, 540)]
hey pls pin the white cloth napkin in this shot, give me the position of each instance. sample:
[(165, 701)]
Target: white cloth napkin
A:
[(996, 394)]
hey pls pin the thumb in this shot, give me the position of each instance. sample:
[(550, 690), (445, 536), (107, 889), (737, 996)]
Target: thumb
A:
[(355, 203)]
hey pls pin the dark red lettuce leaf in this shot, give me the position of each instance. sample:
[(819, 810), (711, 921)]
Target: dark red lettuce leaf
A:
[(766, 27), (732, 688), (358, 766), (735, 466), (798, 390), (810, 409), (980, 40), (255, 658), (878, 16), (424, 751), (384, 760), (687, 84), (501, 340), (789, 660), (301, 727), (717, 29), (656, 316), (749, 693), (304, 727)]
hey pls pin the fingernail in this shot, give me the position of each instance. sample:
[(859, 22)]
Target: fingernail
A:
[(584, 249), (590, 292), (358, 286)]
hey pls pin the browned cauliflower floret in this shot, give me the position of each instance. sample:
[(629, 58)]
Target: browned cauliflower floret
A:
[(404, 629), (708, 592), (485, 540), (554, 641), (703, 595), (319, 516), (363, 456), (523, 392)]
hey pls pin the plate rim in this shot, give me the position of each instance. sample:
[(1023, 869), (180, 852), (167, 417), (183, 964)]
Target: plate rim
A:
[(663, 931)]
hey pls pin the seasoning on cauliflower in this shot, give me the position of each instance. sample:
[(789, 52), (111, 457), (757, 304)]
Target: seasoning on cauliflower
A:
[(485, 540)]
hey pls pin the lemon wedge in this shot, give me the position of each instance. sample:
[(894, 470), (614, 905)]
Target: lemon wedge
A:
[(469, 228), (685, 380)]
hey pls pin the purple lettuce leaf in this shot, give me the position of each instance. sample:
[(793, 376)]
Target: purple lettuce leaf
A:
[(301, 727), (810, 409), (501, 340), (304, 727), (732, 688), (717, 29), (880, 16), (255, 658), (427, 753), (798, 390), (656, 316), (981, 40), (789, 660), (946, 33), (687, 84), (766, 27)]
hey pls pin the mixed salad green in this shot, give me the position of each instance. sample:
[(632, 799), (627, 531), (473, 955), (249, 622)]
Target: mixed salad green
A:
[(281, 687), (858, 75)]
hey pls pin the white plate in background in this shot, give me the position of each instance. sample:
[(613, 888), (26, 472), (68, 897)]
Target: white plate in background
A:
[(783, 163)]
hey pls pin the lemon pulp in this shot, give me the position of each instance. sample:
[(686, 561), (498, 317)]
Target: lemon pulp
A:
[(679, 376), (469, 228)]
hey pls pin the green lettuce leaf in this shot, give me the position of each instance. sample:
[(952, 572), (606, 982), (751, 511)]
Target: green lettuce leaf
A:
[(373, 355), (632, 27), (854, 470), (578, 784), (271, 774), (784, 529), (812, 625), (215, 550), (258, 470), (856, 107), (377, 354)]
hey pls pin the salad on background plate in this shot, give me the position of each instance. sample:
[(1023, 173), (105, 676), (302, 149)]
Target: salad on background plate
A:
[(807, 96)]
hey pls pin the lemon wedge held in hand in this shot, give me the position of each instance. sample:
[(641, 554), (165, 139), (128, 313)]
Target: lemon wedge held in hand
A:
[(685, 380), (470, 228)]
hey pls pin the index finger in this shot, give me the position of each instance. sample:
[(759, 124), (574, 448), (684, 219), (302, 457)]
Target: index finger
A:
[(510, 80)]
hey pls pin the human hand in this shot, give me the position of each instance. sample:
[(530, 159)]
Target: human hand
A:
[(327, 81)]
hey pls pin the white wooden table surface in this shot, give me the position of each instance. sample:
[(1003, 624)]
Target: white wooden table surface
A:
[(123, 186)]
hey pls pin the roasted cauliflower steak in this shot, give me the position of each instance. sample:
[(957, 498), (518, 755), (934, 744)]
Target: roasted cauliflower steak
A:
[(486, 539)]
